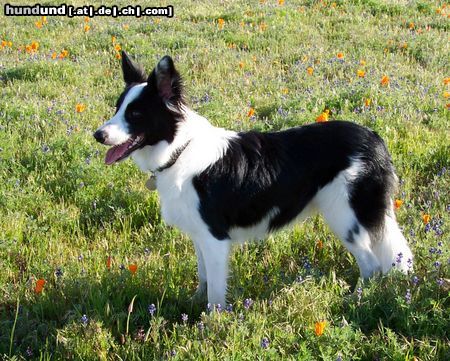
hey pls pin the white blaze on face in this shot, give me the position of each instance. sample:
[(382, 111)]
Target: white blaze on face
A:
[(116, 129)]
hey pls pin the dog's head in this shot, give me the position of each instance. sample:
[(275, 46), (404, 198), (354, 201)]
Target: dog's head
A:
[(147, 111)]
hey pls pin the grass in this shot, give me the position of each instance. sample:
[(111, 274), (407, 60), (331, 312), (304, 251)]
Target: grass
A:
[(63, 212)]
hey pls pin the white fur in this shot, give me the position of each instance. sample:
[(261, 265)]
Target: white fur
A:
[(116, 129)]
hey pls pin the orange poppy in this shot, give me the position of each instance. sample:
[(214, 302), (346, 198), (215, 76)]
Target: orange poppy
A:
[(340, 55), (385, 80), (310, 70), (80, 108), (39, 285), (220, 23), (323, 117), (398, 203), (132, 268), (251, 112), (319, 328), (361, 73), (108, 262), (367, 102), (426, 218)]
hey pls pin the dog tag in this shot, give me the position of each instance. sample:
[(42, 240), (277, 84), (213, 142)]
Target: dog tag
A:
[(151, 183)]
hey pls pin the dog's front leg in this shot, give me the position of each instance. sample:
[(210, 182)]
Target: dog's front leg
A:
[(200, 292), (215, 256)]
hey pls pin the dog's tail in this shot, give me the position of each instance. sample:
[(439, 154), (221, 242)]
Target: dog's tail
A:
[(391, 248)]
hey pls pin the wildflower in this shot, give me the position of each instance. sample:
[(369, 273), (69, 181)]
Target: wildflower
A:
[(361, 73), (219, 307), (251, 112), (44, 20), (80, 108), (200, 326), (184, 317), (446, 81), (118, 56), (87, 28), (58, 272), (263, 26), (340, 56), (437, 264), (108, 262), (38, 24), (208, 307), (248, 302), (117, 47), (54, 55), (415, 280), (241, 64), (398, 203), (359, 291), (113, 39), (385, 80), (411, 25), (63, 54), (29, 351), (281, 2), (265, 343), (285, 91), (80, 257), (319, 327), (173, 353), (319, 244), (84, 320), (323, 117), (229, 308), (362, 62), (440, 281), (426, 218), (39, 285), (310, 70), (408, 296), (151, 309), (220, 23), (367, 102), (125, 26), (399, 257), (132, 268), (446, 94)]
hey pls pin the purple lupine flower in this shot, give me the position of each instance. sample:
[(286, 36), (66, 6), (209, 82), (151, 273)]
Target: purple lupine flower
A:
[(200, 326), (339, 358), (415, 280), (122, 267), (208, 307), (80, 257), (29, 351), (229, 308), (440, 281), (408, 296), (184, 317), (399, 257), (359, 291), (151, 309), (437, 264), (248, 302), (45, 148), (219, 307), (84, 320), (173, 353), (265, 343), (58, 272)]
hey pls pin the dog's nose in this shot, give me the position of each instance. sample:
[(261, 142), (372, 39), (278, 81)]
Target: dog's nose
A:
[(99, 135)]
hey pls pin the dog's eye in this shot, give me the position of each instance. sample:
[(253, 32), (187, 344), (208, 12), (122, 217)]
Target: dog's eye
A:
[(135, 114)]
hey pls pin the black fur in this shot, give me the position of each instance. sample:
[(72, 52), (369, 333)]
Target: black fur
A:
[(157, 110), (286, 169)]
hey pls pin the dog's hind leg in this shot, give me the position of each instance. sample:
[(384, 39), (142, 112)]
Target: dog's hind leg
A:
[(333, 202)]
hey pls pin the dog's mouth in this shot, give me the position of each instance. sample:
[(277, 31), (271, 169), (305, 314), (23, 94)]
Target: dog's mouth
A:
[(119, 152)]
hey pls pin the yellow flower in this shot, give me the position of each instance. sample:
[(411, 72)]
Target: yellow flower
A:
[(117, 47), (426, 218), (280, 2), (263, 26), (385, 80), (220, 23), (87, 28), (367, 102), (54, 55), (319, 327), (319, 244), (446, 94), (340, 55), (361, 73), (125, 26), (38, 24), (310, 70), (411, 25), (44, 20), (86, 19), (241, 64), (323, 117), (251, 112), (398, 203), (362, 62), (284, 91), (113, 39), (80, 108)]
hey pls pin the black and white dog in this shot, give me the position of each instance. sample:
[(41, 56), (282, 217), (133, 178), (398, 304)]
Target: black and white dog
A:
[(221, 186)]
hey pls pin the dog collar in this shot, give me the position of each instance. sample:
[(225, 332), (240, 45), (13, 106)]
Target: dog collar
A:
[(174, 157)]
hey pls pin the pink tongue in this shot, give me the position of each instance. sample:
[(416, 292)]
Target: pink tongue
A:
[(115, 153)]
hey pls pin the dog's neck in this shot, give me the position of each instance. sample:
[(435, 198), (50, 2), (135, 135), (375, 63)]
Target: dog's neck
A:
[(156, 157)]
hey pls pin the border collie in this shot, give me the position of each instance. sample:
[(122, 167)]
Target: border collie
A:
[(220, 186)]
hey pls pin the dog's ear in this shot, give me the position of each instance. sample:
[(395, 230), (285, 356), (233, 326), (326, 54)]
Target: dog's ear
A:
[(132, 72), (168, 81)]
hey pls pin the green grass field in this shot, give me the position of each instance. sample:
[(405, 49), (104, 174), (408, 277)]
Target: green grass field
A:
[(63, 212)]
